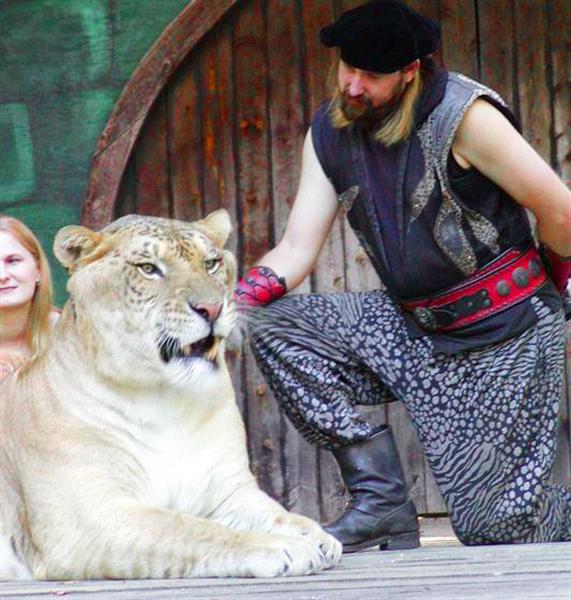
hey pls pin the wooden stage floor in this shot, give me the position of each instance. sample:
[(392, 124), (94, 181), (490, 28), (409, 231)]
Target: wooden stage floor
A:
[(441, 569)]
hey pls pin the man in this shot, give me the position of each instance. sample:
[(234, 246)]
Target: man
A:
[(435, 180)]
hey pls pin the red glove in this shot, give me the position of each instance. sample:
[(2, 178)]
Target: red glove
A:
[(558, 267), (259, 287)]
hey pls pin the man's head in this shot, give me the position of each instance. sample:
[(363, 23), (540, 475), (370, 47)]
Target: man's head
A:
[(381, 44), (382, 36)]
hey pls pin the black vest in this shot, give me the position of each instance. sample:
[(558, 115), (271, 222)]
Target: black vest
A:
[(424, 230)]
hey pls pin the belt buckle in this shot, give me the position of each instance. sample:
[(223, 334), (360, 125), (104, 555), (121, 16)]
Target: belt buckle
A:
[(425, 318)]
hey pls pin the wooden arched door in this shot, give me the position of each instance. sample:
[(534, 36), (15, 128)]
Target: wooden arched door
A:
[(215, 116)]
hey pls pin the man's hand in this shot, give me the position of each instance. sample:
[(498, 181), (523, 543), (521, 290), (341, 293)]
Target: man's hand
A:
[(558, 267), (259, 287)]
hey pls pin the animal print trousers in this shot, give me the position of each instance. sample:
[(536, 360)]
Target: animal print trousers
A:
[(486, 419)]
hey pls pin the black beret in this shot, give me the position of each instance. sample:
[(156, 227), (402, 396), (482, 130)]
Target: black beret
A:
[(382, 36)]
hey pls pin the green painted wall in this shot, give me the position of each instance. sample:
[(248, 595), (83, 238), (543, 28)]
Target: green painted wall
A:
[(63, 64)]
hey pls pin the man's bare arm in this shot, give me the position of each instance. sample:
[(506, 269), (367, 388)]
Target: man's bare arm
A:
[(487, 141), (308, 225)]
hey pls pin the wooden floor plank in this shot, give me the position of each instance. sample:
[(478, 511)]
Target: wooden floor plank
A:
[(441, 569)]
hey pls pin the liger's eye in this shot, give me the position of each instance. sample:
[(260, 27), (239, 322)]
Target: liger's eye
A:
[(149, 270), (212, 264)]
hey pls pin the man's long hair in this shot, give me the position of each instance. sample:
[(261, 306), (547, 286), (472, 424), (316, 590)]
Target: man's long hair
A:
[(398, 125)]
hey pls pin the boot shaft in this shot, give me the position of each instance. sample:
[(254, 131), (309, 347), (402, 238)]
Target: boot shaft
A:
[(373, 467)]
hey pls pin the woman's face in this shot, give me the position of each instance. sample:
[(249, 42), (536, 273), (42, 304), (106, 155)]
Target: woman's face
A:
[(18, 273)]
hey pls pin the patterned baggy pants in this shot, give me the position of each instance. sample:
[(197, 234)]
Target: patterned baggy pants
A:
[(486, 419)]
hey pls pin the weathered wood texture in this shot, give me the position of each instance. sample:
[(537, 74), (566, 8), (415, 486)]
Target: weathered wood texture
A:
[(440, 570), (122, 131), (227, 130)]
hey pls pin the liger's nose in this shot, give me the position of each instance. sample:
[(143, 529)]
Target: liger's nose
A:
[(210, 312)]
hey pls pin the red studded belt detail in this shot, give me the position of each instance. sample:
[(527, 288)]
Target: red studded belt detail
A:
[(507, 280)]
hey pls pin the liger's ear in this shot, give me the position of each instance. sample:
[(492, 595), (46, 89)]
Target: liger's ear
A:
[(217, 226), (74, 243)]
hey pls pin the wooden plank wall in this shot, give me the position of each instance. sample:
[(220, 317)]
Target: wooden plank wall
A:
[(228, 131)]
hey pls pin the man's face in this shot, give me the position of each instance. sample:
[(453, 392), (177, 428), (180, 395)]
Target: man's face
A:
[(367, 97)]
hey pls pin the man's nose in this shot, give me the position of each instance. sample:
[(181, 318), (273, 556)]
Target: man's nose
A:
[(210, 312), (355, 87)]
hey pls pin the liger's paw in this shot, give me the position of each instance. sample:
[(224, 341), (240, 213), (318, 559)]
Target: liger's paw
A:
[(274, 555), (298, 526)]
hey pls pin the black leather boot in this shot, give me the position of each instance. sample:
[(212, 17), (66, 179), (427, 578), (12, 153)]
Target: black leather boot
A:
[(379, 511)]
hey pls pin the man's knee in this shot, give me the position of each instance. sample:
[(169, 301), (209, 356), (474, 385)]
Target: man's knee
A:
[(500, 524)]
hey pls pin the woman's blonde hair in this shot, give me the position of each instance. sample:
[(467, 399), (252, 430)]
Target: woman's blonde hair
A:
[(38, 327), (398, 125)]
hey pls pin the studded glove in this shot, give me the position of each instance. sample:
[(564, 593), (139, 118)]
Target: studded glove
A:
[(259, 287)]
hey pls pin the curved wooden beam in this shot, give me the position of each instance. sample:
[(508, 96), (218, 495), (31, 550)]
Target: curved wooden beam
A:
[(116, 143)]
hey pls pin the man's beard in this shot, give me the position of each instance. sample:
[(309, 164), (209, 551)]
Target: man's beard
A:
[(362, 111)]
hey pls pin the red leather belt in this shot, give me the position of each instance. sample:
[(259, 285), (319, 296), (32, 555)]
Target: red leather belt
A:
[(512, 277)]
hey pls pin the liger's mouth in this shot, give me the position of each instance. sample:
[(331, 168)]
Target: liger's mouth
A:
[(170, 348)]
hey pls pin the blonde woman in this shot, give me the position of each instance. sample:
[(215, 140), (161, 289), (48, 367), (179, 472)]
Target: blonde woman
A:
[(26, 311)]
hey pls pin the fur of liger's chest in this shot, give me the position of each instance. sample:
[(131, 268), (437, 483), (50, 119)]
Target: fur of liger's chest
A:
[(176, 458)]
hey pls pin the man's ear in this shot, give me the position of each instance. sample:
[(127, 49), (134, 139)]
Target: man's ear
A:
[(74, 243), (410, 70), (217, 226)]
